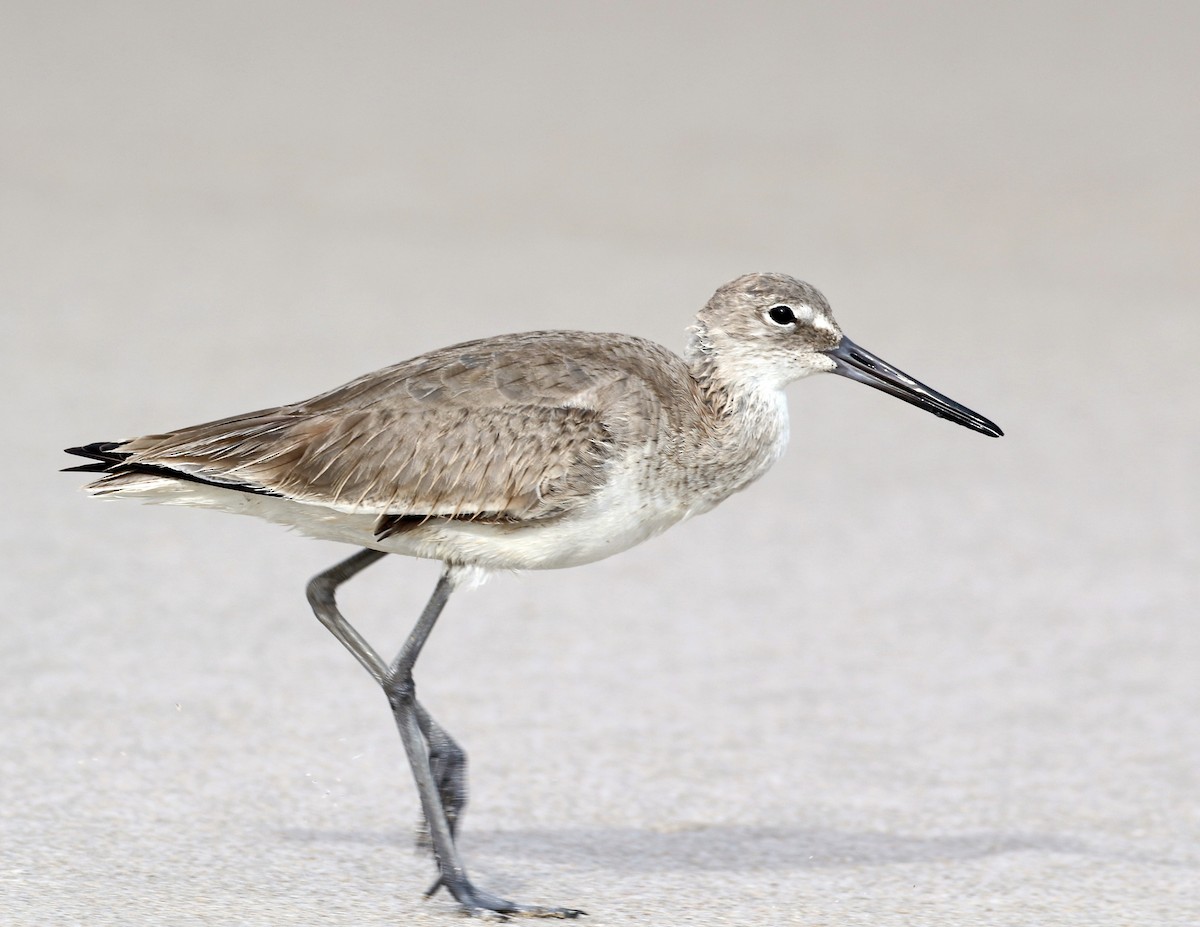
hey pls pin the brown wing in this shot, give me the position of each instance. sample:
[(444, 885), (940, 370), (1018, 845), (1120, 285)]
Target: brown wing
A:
[(509, 428)]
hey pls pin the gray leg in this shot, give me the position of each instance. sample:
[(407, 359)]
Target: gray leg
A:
[(438, 764), (447, 760), (321, 589), (448, 763)]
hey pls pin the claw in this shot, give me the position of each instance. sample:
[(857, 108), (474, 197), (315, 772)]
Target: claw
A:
[(476, 903)]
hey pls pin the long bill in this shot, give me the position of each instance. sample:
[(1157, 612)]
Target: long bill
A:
[(860, 364)]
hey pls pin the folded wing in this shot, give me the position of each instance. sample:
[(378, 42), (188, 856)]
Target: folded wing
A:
[(500, 429)]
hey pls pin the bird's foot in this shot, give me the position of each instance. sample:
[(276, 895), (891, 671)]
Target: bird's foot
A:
[(477, 903)]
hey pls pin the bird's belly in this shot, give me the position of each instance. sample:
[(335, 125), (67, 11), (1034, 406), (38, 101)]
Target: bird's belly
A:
[(618, 517), (628, 509)]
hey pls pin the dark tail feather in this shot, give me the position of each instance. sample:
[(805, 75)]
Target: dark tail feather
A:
[(103, 454), (107, 459)]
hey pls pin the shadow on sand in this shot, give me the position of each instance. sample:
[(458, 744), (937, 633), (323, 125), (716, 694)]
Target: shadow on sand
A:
[(728, 848)]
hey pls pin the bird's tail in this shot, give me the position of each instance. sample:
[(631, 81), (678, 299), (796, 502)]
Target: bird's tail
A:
[(103, 457)]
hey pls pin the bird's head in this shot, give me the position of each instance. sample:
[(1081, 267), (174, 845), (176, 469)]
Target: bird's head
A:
[(767, 330)]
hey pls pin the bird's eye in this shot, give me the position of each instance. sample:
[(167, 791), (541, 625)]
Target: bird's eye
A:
[(781, 315)]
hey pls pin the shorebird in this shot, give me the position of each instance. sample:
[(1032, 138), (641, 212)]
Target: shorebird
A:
[(527, 451)]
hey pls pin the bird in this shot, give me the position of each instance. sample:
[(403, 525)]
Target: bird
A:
[(540, 450)]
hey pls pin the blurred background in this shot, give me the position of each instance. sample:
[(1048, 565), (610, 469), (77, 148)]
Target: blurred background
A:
[(912, 676)]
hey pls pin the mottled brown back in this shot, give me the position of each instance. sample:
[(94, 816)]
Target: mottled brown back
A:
[(509, 428)]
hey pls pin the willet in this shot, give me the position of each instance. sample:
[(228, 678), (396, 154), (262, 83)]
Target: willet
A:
[(531, 451)]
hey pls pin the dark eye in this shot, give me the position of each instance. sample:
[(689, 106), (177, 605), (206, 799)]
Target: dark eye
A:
[(781, 315)]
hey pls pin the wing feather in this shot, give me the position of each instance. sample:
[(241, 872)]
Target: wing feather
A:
[(510, 428)]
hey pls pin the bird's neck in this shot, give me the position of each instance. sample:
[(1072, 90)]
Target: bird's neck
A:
[(727, 381), (703, 359), (747, 417)]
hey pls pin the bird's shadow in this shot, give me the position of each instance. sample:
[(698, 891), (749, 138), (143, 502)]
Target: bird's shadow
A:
[(718, 847)]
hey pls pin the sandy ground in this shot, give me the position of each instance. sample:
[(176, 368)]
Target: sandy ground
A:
[(913, 677)]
